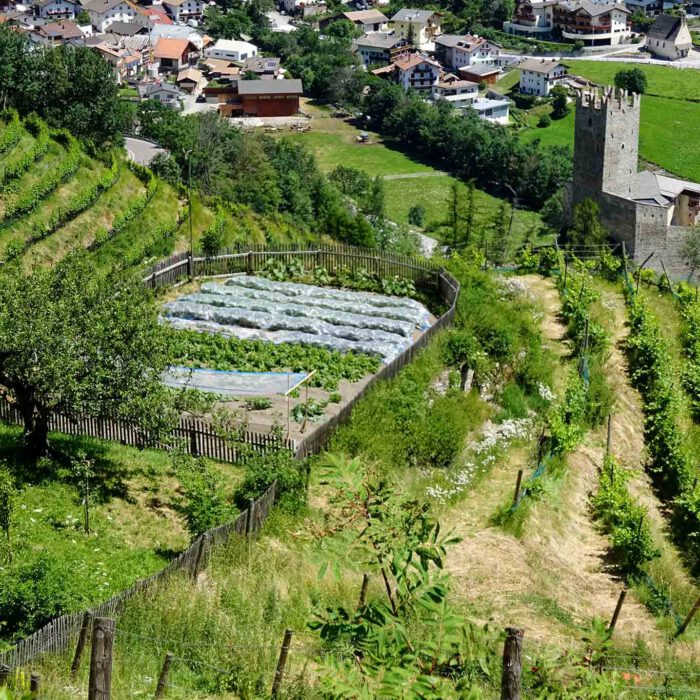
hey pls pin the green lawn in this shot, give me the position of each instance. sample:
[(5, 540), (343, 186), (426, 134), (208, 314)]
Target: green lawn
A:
[(661, 119), (665, 81), (341, 148)]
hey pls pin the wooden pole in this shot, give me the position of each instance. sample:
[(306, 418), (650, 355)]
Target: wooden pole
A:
[(4, 675), (616, 614), (80, 646), (281, 663), (100, 685), (688, 618), (518, 483), (163, 678), (363, 591), (608, 445), (512, 664), (34, 682)]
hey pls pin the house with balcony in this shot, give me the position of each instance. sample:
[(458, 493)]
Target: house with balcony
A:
[(419, 27), (669, 37), (184, 10), (415, 72), (174, 54), (104, 12), (459, 93), (56, 33), (55, 10), (381, 48), (532, 18), (166, 94), (455, 52), (539, 75), (593, 23)]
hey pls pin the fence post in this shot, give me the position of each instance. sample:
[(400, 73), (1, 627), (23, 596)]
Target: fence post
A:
[(34, 683), (80, 646), (608, 445), (518, 482), (200, 555), (100, 686), (163, 678), (249, 521), (4, 675), (363, 591), (616, 613), (190, 267), (512, 664), (281, 663), (685, 623), (194, 449), (249, 269)]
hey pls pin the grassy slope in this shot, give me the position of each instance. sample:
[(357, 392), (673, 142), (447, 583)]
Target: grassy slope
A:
[(334, 143), (88, 174), (666, 110), (161, 210), (81, 231), (134, 522)]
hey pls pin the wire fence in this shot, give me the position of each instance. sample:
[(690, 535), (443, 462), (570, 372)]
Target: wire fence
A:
[(58, 634)]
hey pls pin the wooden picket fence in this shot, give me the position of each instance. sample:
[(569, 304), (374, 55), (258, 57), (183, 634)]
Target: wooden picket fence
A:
[(59, 634), (251, 259), (197, 437)]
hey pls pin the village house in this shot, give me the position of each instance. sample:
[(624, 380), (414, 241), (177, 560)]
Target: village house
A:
[(381, 49), (593, 23), (166, 94), (179, 31), (415, 72), (539, 75), (55, 33), (104, 12), (184, 10), (157, 15), (257, 98), (491, 110), (419, 27), (189, 79), (126, 63), (221, 70), (303, 8), (365, 20), (54, 10), (128, 28), (263, 67), (459, 93), (174, 54), (231, 50), (455, 52), (669, 37), (650, 8), (532, 18), (480, 73)]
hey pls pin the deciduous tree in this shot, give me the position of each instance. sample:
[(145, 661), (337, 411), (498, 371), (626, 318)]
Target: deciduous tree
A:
[(75, 341)]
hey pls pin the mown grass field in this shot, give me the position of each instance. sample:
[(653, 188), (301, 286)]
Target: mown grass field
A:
[(334, 142), (667, 114)]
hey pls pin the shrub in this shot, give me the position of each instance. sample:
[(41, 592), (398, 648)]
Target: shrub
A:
[(263, 470), (203, 504), (258, 403), (416, 215), (544, 121), (213, 237)]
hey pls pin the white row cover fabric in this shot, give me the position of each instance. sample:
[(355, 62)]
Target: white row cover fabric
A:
[(232, 383), (284, 312)]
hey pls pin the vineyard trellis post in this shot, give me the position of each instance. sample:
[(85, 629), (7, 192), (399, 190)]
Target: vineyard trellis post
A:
[(163, 678), (80, 646), (616, 613), (100, 684), (34, 684), (688, 619), (518, 484), (4, 674), (363, 591), (281, 663), (511, 673)]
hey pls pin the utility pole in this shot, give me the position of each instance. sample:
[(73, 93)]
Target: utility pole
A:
[(188, 155)]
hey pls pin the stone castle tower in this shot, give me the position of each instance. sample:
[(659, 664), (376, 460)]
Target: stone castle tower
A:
[(605, 144), (648, 211)]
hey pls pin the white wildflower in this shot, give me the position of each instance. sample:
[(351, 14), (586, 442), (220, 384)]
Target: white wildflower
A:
[(545, 392)]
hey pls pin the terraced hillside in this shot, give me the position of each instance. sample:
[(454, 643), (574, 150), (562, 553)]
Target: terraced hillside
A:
[(54, 198)]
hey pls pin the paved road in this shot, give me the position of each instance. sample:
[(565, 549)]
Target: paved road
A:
[(140, 151), (280, 23)]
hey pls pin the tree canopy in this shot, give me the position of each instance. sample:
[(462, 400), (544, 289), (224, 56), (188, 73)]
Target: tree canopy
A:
[(69, 86), (632, 80), (75, 341)]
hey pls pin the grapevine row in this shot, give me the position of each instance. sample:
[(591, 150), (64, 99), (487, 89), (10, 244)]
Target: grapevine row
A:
[(38, 128), (12, 132), (31, 198)]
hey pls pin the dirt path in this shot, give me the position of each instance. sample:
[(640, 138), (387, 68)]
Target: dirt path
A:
[(554, 579)]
